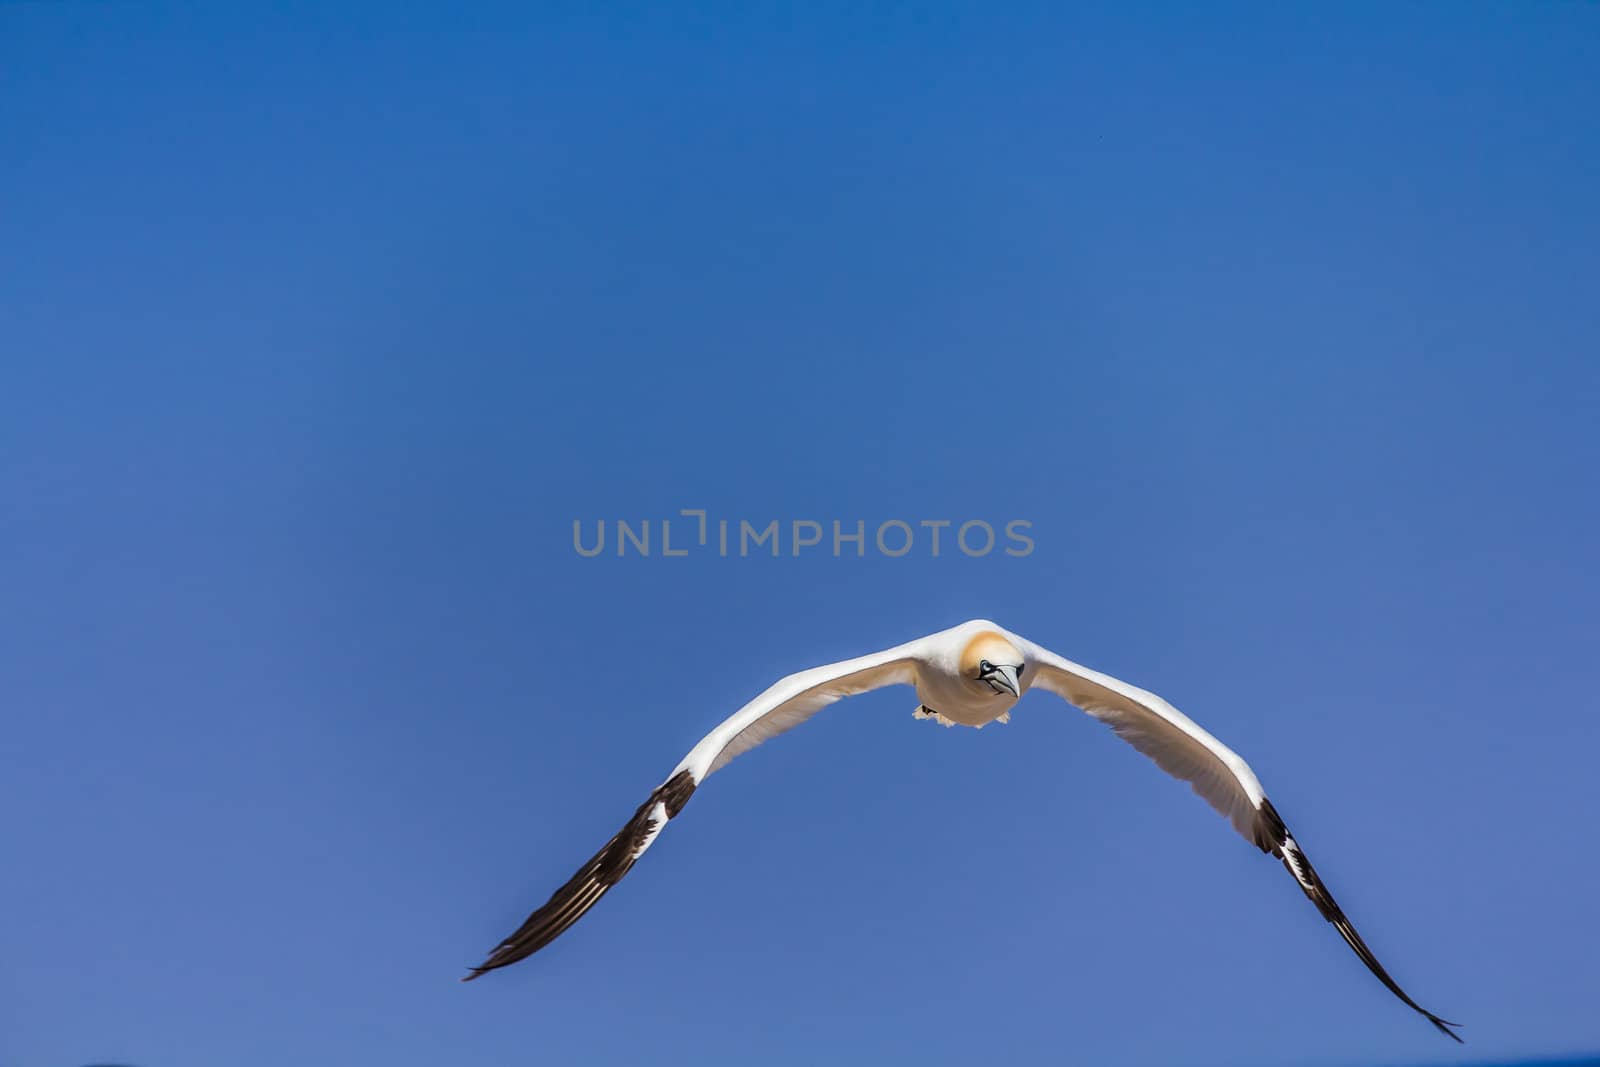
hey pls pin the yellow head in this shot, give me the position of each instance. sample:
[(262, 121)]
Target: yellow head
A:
[(991, 661)]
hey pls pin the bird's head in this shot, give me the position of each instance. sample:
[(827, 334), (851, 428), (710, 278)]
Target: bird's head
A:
[(993, 665)]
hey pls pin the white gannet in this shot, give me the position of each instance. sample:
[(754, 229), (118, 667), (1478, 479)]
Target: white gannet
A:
[(969, 675)]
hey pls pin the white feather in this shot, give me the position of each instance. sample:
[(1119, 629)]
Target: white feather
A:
[(1174, 741)]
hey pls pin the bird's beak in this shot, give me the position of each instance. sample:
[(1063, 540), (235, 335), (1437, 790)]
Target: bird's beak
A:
[(1007, 676)]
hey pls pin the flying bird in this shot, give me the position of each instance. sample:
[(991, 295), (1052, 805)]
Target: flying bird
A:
[(969, 675)]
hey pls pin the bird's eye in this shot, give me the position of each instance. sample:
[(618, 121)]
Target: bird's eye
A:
[(985, 667), (1020, 668)]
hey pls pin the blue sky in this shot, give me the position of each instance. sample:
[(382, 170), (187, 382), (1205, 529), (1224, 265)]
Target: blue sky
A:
[(324, 322)]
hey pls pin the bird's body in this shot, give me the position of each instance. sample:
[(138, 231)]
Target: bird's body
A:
[(969, 675), (946, 662)]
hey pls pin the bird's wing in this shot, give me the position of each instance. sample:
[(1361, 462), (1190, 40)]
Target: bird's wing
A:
[(1184, 750), (782, 707)]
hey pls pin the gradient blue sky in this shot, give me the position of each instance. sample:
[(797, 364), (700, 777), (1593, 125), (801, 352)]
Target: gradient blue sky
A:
[(322, 324)]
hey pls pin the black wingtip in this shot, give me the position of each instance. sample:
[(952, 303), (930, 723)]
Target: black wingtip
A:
[(1273, 836), (572, 901)]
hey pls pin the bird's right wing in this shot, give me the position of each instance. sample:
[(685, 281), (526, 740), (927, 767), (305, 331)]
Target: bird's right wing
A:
[(1179, 746), (784, 706)]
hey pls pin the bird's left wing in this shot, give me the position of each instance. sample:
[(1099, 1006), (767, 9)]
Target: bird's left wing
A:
[(1179, 746), (782, 707)]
